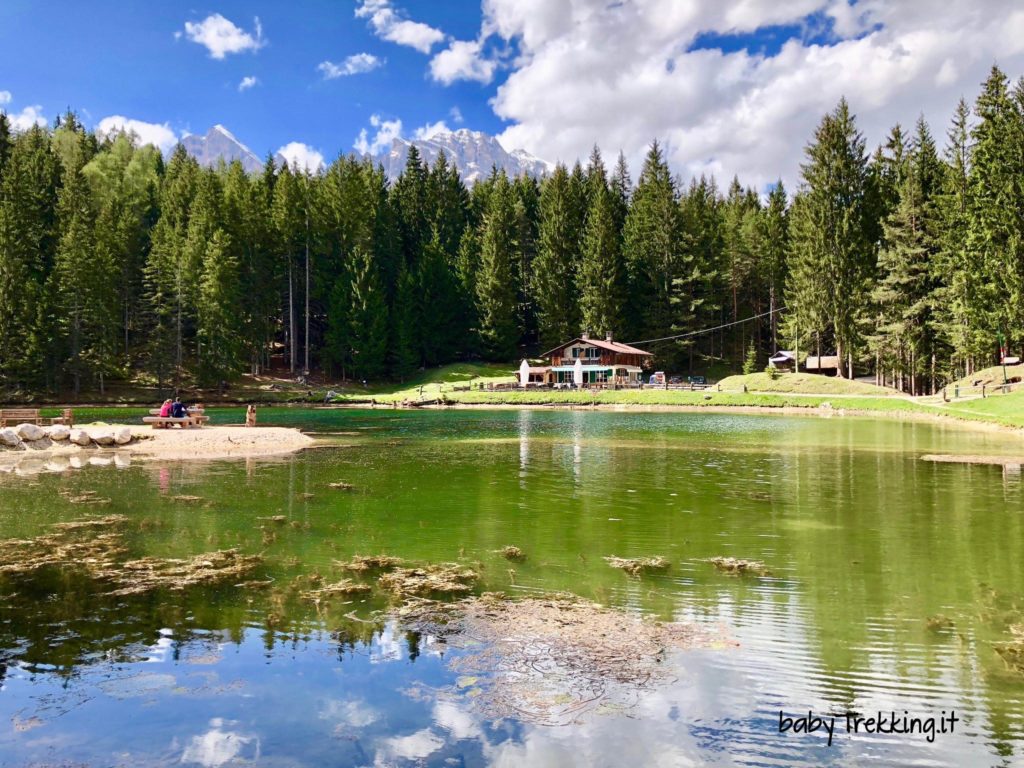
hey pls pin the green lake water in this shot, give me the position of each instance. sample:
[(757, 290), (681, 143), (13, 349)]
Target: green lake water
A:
[(892, 581)]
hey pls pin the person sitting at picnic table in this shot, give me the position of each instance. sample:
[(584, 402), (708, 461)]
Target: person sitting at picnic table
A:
[(165, 409), (178, 410)]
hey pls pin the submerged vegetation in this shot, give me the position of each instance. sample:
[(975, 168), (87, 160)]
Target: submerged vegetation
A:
[(739, 567), (552, 660), (96, 547), (638, 565)]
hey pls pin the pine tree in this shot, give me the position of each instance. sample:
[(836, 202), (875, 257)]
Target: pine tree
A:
[(405, 336), (410, 200), (659, 267), (601, 272), (288, 212), (775, 244), (995, 218), (701, 211), (956, 270), (526, 207), (86, 299), (495, 289), (368, 319), (554, 271), (903, 331), (166, 271), (219, 320), (28, 244), (831, 253)]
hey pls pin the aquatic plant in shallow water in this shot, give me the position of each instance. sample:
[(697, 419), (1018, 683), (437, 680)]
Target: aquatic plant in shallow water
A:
[(554, 660)]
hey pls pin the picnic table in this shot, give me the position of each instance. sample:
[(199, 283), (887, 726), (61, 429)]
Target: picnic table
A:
[(33, 416), (196, 418)]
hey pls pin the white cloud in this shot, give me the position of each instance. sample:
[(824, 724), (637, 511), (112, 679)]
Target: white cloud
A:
[(248, 82), (158, 134), (430, 130), (220, 36), (302, 156), (462, 60), (387, 131), (456, 115), (29, 116), (5, 97), (622, 74), (389, 25), (356, 64)]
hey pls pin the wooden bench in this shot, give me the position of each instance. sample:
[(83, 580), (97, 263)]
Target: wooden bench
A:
[(195, 418), (20, 416)]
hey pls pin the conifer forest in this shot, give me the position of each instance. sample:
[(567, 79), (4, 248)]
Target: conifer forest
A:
[(906, 260)]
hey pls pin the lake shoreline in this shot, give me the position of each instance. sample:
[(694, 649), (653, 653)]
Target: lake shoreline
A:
[(207, 443), (937, 417)]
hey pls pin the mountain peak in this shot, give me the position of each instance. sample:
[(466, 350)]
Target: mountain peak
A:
[(220, 144), (473, 153)]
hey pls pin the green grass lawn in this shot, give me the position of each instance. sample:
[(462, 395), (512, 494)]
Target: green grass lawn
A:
[(807, 383)]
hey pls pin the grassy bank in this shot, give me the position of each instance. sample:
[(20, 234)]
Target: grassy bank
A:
[(806, 383), (466, 383)]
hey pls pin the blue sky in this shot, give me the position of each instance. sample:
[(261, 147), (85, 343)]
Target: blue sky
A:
[(728, 87), (106, 58)]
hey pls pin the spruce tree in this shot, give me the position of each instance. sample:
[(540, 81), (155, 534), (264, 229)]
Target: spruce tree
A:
[(495, 288), (219, 322), (903, 292), (555, 268), (368, 320), (405, 335), (660, 269), (28, 244), (601, 273), (995, 219), (831, 251), (956, 269), (775, 243)]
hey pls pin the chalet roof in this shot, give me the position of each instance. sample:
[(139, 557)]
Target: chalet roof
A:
[(782, 355), (825, 361), (611, 346)]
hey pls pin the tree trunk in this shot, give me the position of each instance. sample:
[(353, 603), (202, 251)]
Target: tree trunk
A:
[(291, 318), (305, 367)]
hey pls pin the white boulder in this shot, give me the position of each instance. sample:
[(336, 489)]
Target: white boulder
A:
[(122, 460), (75, 462), (80, 437), (101, 461), (39, 445), (59, 432), (30, 432), (102, 437), (123, 435), (9, 438)]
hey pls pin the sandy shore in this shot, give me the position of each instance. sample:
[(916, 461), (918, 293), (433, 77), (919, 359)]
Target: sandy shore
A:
[(215, 442)]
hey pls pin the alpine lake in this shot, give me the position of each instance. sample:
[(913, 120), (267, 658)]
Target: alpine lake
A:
[(890, 584)]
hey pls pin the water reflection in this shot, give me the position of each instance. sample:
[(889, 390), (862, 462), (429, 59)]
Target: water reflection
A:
[(892, 578)]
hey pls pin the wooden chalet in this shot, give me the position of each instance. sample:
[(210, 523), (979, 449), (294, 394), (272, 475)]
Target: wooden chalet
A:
[(783, 360), (604, 362), (826, 365)]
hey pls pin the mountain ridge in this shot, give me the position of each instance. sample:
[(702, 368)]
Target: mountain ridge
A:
[(473, 153)]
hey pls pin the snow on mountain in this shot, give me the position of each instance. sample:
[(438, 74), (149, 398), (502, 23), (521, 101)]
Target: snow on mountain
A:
[(474, 153), (220, 144)]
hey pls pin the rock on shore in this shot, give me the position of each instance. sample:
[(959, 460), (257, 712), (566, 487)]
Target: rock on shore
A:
[(31, 437)]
